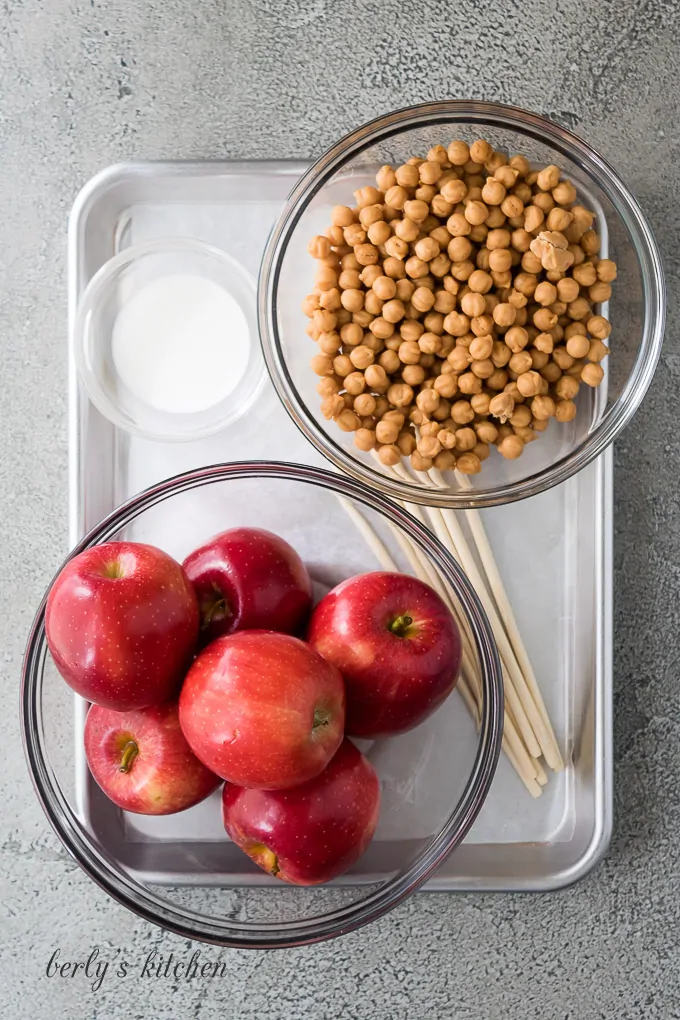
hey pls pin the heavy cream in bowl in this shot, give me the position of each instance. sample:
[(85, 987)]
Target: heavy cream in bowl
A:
[(165, 340), (181, 343)]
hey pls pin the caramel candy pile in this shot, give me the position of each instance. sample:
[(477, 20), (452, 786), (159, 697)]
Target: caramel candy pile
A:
[(454, 308)]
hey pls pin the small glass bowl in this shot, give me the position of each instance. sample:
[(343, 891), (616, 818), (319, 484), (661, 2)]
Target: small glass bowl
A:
[(637, 307), (107, 293), (181, 872)]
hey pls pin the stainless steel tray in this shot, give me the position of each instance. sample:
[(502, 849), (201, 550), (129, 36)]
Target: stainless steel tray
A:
[(555, 552)]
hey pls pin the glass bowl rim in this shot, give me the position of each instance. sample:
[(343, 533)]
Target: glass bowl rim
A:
[(543, 130), (98, 284), (143, 900)]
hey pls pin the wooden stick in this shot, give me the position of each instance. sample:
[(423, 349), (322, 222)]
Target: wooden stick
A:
[(514, 749), (433, 578), (423, 566), (518, 716), (468, 698), (531, 784), (419, 565), (543, 733), (448, 536), (383, 556), (529, 768), (512, 716), (526, 765), (508, 617), (521, 760), (372, 540)]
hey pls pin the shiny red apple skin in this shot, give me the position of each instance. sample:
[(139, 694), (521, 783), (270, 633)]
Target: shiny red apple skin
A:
[(314, 832), (122, 625), (249, 579), (142, 761), (262, 709), (393, 682)]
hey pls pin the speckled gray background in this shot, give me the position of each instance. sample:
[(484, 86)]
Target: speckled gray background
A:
[(85, 83)]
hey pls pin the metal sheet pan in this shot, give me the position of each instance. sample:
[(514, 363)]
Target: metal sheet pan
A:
[(555, 553)]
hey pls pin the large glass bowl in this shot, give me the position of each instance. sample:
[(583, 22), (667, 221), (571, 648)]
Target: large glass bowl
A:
[(636, 310), (181, 872)]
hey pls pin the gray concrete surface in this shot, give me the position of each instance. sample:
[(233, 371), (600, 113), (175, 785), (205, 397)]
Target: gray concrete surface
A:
[(85, 83)]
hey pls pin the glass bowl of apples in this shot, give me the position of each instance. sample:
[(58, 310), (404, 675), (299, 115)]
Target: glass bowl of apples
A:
[(289, 704)]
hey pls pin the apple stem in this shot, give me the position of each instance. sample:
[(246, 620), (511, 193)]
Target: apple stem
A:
[(400, 625), (321, 718), (130, 752), (210, 610), (114, 570)]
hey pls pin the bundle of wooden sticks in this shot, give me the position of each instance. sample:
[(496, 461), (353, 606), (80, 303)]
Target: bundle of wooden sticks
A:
[(528, 736)]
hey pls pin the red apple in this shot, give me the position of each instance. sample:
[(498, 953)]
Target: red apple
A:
[(142, 761), (263, 709), (122, 625), (313, 833), (249, 579), (395, 643)]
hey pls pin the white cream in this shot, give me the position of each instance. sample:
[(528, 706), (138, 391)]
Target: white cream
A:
[(181, 343)]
